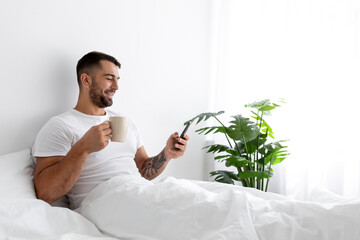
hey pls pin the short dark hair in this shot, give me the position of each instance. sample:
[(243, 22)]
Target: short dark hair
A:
[(91, 60)]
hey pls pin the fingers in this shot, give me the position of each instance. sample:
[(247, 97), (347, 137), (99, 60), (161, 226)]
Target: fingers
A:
[(105, 125), (181, 143), (175, 135), (107, 131), (186, 137), (180, 147), (97, 137)]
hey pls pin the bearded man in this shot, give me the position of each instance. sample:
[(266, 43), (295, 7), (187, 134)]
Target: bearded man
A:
[(73, 151)]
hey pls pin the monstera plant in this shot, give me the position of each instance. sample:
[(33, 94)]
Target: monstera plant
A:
[(251, 147)]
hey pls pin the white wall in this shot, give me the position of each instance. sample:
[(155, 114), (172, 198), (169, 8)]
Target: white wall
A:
[(162, 46)]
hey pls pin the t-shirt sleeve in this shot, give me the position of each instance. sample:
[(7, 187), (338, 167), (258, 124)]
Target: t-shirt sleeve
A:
[(139, 141), (54, 139)]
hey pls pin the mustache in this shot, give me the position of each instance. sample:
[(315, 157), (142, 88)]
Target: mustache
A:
[(110, 91)]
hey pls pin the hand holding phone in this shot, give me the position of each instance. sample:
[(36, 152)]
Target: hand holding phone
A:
[(183, 133)]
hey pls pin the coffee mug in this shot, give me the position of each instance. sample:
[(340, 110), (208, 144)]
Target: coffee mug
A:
[(119, 127)]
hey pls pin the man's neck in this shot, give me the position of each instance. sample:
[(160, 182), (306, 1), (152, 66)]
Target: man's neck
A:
[(90, 110)]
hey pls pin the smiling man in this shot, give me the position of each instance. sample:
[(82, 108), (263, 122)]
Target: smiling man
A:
[(73, 150)]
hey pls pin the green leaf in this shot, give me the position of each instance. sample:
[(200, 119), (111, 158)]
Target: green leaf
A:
[(259, 104), (276, 156), (282, 100), (265, 127), (224, 176), (264, 106), (236, 161), (217, 148), (203, 116), (252, 174), (208, 130), (241, 147), (221, 157), (252, 146), (280, 156), (267, 148), (242, 129), (260, 161), (270, 158)]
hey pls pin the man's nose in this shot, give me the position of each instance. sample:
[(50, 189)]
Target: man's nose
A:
[(115, 85)]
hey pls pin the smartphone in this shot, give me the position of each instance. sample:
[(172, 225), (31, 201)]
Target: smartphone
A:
[(183, 133)]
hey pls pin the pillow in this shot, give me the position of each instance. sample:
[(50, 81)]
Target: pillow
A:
[(16, 175)]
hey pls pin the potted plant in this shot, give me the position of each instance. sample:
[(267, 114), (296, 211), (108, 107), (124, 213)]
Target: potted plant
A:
[(249, 148)]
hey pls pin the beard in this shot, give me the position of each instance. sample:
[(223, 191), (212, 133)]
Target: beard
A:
[(97, 96)]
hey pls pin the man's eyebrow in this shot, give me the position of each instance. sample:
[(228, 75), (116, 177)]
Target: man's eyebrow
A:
[(112, 75)]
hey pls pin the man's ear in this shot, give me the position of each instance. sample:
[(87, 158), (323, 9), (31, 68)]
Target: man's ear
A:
[(85, 80)]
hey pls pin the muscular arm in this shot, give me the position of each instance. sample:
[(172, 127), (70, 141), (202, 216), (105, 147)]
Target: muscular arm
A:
[(55, 176), (151, 167)]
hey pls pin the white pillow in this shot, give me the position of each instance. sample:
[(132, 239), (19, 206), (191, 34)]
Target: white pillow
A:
[(16, 175)]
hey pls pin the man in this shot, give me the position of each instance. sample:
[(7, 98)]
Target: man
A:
[(73, 150)]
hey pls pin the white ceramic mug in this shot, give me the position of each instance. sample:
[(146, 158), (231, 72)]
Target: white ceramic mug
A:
[(119, 127)]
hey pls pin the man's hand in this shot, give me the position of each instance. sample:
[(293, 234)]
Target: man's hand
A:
[(97, 137), (180, 147)]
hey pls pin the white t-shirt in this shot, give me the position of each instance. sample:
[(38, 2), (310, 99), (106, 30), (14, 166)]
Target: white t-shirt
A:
[(61, 132)]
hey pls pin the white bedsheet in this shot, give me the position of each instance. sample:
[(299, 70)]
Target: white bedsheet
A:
[(133, 208), (37, 220)]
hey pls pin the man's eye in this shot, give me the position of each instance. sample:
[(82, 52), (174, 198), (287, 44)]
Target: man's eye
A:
[(110, 79)]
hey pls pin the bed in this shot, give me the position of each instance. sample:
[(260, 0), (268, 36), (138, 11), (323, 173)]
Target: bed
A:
[(133, 208), (22, 216)]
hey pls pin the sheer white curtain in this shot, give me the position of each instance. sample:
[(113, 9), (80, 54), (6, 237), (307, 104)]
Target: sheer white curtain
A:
[(308, 52)]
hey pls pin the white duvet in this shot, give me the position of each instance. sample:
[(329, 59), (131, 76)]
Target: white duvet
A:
[(134, 208), (22, 219)]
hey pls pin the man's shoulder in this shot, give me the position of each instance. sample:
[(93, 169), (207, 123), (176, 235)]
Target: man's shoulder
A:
[(53, 136), (63, 117), (63, 121)]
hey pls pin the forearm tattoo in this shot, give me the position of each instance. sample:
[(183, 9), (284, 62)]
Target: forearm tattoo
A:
[(152, 165)]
